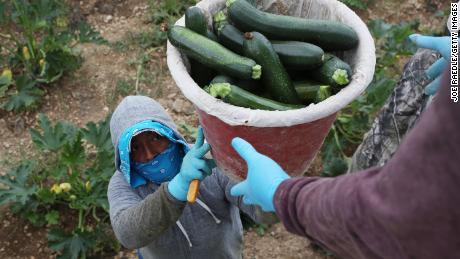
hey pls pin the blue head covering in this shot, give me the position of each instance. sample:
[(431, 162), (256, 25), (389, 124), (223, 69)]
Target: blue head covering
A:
[(167, 162)]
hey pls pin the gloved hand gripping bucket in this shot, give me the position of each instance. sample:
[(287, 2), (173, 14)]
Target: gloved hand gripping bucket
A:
[(292, 138)]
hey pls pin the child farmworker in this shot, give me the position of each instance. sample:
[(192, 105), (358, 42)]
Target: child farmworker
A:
[(147, 194)]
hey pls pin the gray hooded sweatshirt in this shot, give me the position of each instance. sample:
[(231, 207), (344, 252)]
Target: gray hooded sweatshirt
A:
[(151, 219)]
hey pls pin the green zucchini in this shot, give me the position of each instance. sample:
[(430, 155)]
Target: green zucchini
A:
[(274, 76), (293, 54), (299, 55), (253, 86), (250, 85), (311, 92), (327, 34), (212, 54), (237, 96), (333, 72), (222, 79), (195, 20), (232, 38), (219, 19)]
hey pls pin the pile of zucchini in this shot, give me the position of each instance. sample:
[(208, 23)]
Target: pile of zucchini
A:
[(260, 60)]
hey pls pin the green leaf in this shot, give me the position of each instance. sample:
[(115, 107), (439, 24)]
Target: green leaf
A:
[(168, 10), (379, 90), (57, 239), (86, 34), (98, 134), (331, 151), (38, 14), (59, 172), (188, 129), (379, 28), (73, 152), (99, 194), (5, 82), (3, 90), (58, 62), (16, 187), (71, 245), (36, 219), (103, 167), (52, 217), (45, 195), (103, 203), (27, 95), (261, 229), (52, 138), (337, 166), (392, 40)]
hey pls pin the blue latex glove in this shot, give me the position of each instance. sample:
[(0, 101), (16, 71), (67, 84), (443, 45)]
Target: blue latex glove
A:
[(440, 44), (263, 178), (194, 166)]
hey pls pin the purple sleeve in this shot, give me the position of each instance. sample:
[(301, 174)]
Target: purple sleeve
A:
[(410, 208)]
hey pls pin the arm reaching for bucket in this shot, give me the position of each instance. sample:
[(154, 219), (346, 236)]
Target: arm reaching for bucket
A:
[(263, 178), (382, 212)]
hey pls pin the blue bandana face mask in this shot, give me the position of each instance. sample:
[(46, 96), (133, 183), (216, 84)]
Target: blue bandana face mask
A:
[(164, 166), (132, 172)]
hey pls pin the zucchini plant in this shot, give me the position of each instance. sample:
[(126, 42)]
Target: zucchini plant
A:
[(37, 48), (66, 182)]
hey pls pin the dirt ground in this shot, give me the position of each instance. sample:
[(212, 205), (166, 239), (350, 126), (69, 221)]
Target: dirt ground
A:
[(93, 91)]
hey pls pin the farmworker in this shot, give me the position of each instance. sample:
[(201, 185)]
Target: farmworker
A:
[(147, 194), (407, 208)]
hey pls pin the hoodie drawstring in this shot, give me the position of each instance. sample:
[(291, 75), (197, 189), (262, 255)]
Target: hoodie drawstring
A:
[(206, 208), (184, 232)]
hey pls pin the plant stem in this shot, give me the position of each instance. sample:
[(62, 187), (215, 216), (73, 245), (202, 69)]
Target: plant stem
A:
[(139, 68), (94, 214), (349, 136), (337, 142), (69, 170), (80, 219)]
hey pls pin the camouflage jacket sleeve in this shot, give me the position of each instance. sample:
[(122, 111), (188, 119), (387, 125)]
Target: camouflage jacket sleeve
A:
[(399, 114)]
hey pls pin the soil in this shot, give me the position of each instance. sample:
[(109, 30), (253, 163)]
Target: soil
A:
[(93, 91)]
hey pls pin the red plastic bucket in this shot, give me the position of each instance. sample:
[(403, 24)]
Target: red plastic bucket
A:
[(292, 147)]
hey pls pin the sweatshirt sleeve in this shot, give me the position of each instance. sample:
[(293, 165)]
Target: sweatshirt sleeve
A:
[(406, 209), (254, 212), (137, 222)]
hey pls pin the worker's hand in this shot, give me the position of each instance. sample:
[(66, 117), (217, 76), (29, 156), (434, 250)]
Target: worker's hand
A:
[(263, 178), (440, 44), (194, 166)]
